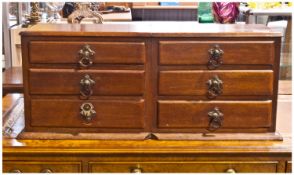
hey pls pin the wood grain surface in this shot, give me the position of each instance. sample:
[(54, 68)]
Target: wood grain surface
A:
[(235, 82), (105, 52), (235, 52), (67, 81)]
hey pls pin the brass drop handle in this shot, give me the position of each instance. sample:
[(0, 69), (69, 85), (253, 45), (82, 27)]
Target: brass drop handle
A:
[(230, 170), (214, 87), (215, 119), (15, 171), (215, 57), (136, 170), (86, 86), (86, 55), (46, 171), (87, 111)]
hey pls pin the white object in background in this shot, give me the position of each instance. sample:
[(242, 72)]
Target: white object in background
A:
[(16, 45), (3, 61)]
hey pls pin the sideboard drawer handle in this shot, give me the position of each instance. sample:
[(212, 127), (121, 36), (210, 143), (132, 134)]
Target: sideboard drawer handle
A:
[(214, 87), (15, 171), (86, 85), (230, 170), (87, 111), (215, 57), (136, 170), (215, 119), (86, 55), (46, 171)]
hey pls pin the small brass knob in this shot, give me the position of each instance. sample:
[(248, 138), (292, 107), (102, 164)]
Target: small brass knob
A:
[(214, 87), (87, 111), (215, 57), (231, 170), (136, 170), (46, 171), (86, 55), (15, 171), (86, 86), (216, 119)]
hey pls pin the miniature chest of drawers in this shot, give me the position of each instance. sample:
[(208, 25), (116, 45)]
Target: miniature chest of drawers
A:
[(150, 77)]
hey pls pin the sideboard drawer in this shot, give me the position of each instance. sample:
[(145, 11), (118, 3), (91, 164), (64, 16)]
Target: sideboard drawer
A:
[(105, 82), (104, 114), (234, 52), (182, 167), (41, 167), (195, 114), (105, 52), (233, 82)]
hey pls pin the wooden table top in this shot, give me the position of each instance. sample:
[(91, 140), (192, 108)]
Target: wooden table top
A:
[(153, 29)]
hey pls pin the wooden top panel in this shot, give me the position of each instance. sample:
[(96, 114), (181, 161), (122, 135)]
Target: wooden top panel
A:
[(152, 29), (147, 146)]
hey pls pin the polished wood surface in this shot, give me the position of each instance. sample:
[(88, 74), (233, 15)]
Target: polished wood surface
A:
[(235, 82), (235, 52), (106, 52), (107, 82), (127, 114), (237, 114), (132, 69), (12, 80), (184, 167), (159, 29), (29, 155), (42, 167)]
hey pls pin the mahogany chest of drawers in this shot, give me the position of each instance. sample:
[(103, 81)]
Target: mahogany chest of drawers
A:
[(150, 77)]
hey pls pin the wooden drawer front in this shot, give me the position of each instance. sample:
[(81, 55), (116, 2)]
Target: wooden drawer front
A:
[(67, 81), (66, 113), (38, 167), (194, 114), (234, 82), (235, 52), (182, 167), (105, 52)]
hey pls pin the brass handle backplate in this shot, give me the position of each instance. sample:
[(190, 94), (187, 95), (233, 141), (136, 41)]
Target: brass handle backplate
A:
[(87, 111), (214, 87), (15, 171), (136, 170), (215, 119), (215, 57), (86, 55), (86, 85), (230, 170), (46, 171)]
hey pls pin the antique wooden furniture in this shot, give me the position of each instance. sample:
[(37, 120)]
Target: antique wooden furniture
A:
[(12, 80), (149, 155), (150, 78)]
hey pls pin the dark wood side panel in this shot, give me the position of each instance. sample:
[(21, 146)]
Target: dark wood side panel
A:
[(105, 52), (289, 167), (194, 114), (66, 113), (235, 52), (235, 82), (38, 167), (183, 167), (67, 81)]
